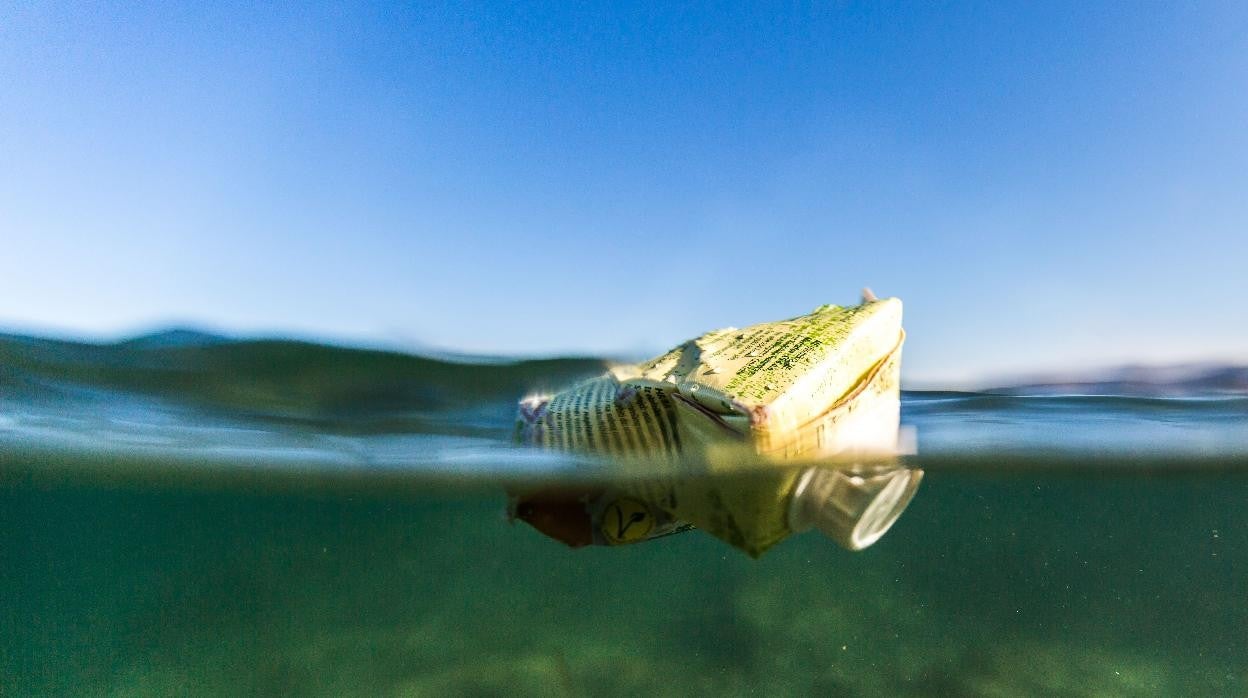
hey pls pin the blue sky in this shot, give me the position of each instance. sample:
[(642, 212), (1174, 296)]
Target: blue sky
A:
[(1046, 185)]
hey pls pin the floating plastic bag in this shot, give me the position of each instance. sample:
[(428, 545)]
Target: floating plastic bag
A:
[(813, 387)]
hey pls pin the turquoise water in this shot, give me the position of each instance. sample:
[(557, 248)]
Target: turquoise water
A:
[(276, 518)]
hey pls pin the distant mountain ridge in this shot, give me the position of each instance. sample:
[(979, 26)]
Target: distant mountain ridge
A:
[(1176, 380), (175, 337), (184, 351)]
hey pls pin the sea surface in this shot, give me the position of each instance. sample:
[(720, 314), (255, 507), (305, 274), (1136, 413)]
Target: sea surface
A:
[(186, 515)]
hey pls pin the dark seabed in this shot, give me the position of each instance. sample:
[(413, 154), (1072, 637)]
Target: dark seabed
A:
[(194, 516)]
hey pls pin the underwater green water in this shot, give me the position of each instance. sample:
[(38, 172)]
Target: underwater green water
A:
[(988, 585), (286, 519)]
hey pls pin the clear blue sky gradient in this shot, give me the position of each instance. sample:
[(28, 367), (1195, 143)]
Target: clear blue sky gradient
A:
[(1045, 185)]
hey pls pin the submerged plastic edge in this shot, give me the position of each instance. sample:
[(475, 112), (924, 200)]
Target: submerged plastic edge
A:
[(853, 509)]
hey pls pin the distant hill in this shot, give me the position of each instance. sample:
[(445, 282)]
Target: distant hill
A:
[(174, 337), (185, 362), (1174, 380)]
